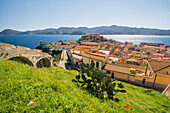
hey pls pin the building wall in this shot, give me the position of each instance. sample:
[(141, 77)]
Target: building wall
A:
[(161, 80), (160, 83), (86, 60), (117, 75), (71, 57), (89, 60), (168, 92), (100, 63), (143, 81), (76, 61)]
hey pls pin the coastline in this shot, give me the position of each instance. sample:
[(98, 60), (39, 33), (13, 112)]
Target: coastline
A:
[(32, 41)]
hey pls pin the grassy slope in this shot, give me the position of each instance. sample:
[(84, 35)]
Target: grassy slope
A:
[(53, 91)]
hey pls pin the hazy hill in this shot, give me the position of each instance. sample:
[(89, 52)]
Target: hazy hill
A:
[(105, 30), (10, 32)]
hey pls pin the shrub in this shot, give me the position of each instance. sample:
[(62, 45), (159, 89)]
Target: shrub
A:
[(97, 81), (132, 72), (113, 62), (45, 50)]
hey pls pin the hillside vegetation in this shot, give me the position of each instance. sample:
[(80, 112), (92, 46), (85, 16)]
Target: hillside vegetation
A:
[(104, 30), (28, 89)]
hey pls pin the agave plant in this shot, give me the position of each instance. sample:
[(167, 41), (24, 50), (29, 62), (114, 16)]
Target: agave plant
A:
[(97, 80)]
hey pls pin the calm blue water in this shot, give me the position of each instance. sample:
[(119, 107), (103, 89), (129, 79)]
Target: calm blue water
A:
[(32, 41), (137, 39)]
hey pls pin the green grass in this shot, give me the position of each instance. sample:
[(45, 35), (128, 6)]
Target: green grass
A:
[(53, 91)]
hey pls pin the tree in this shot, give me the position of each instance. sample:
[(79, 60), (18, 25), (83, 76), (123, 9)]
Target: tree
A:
[(45, 50), (88, 38)]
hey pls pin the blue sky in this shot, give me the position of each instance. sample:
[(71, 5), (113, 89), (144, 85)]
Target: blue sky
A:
[(41, 14)]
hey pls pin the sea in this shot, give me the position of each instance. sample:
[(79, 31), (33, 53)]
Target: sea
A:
[(33, 41)]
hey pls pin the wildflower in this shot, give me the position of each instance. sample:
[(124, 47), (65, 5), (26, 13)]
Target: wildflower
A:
[(147, 107), (5, 79), (120, 103), (130, 106), (132, 111), (53, 93), (127, 105), (11, 85), (10, 64), (56, 71)]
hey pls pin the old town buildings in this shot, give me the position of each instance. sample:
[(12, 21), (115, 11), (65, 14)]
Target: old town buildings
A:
[(147, 64)]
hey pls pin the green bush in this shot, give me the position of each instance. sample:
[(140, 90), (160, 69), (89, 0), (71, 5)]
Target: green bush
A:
[(45, 50), (132, 72), (97, 81), (113, 62)]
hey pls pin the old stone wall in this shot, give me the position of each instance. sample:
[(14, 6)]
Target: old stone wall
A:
[(25, 55)]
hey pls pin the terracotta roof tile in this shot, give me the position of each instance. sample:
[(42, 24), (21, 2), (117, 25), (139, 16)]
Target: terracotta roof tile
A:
[(89, 43), (80, 49), (158, 65), (93, 56), (90, 47)]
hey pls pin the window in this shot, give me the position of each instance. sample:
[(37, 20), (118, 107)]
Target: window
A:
[(76, 63), (97, 64), (143, 82), (112, 75), (150, 74), (108, 72)]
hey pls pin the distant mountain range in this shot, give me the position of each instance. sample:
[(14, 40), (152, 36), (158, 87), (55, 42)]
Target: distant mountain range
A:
[(103, 30)]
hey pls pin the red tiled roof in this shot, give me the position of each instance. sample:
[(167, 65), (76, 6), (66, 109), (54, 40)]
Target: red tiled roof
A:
[(95, 55), (158, 65), (90, 47), (92, 34), (112, 55), (80, 49), (132, 60), (89, 43), (99, 52)]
